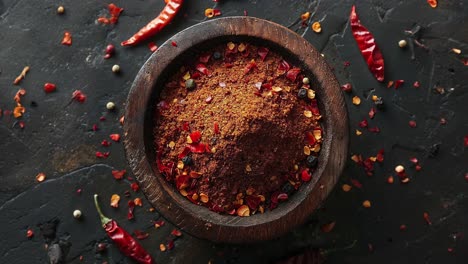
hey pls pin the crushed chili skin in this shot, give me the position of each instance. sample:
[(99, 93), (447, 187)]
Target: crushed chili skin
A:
[(252, 133)]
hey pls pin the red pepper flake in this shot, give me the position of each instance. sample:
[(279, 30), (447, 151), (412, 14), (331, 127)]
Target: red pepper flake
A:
[(159, 223), (118, 174), (115, 137), (292, 74), (49, 87), (327, 228), (202, 68), (389, 84), (399, 83), (450, 250), (466, 176), (346, 63), (414, 160), (380, 156), (21, 124), (305, 175), (195, 136), (204, 58), (131, 208), (418, 167), (356, 183), (95, 127), (426, 218), (29, 233), (114, 11), (121, 120), (310, 138), (284, 66), (416, 84), (412, 123), (245, 13), (363, 123), (372, 113), (185, 126), (79, 191), (102, 155), (135, 187), (373, 129), (465, 141), (174, 44), (152, 46), (170, 244), (182, 181), (367, 45), (199, 148), (102, 118), (140, 235), (208, 99), (79, 96), (216, 128), (263, 52), (176, 232), (105, 143), (402, 227), (250, 66), (67, 38), (432, 3), (347, 87)]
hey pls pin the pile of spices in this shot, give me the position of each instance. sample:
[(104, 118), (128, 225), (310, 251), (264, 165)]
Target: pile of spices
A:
[(238, 130)]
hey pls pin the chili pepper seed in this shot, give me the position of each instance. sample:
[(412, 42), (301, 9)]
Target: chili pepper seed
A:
[(305, 80), (399, 169), (115, 68), (402, 43), (77, 214), (110, 106)]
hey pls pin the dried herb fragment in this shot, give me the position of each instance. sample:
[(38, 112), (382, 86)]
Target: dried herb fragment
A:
[(367, 45)]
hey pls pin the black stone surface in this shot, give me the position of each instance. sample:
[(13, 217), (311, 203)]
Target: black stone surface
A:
[(58, 138)]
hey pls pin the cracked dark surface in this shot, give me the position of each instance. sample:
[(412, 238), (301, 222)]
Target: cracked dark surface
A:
[(58, 138)]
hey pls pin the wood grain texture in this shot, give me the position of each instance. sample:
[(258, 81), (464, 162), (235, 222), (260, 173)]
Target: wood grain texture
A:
[(198, 220)]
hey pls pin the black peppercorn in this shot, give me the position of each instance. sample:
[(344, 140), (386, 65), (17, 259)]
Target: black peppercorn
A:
[(217, 55), (288, 188), (311, 161), (302, 93), (187, 160)]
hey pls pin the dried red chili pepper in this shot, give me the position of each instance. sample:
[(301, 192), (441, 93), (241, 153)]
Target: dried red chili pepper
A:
[(367, 45), (122, 239), (157, 24)]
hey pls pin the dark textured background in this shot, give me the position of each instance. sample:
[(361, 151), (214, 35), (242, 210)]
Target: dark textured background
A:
[(59, 141)]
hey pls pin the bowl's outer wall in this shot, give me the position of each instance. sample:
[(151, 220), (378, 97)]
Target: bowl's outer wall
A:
[(198, 220)]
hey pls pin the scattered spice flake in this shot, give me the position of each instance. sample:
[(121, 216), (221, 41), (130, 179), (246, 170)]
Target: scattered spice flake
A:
[(327, 228), (202, 68), (159, 223), (79, 96), (152, 46), (115, 137), (195, 136), (114, 11), (210, 12), (465, 141), (347, 87), (118, 174), (29, 233), (412, 123), (316, 27), (18, 95), (251, 65), (373, 129), (140, 235), (121, 120), (380, 156), (138, 202), (176, 232), (216, 128), (204, 58), (358, 132), (403, 227), (67, 38), (390, 179), (174, 44), (371, 113), (305, 16), (284, 66), (21, 124), (102, 155), (131, 208), (366, 204), (21, 75), (367, 45), (356, 183), (389, 84), (170, 244), (432, 3), (40, 177), (105, 143), (356, 100), (114, 201), (263, 52), (363, 123), (399, 83), (49, 87), (18, 111), (135, 187), (426, 218), (416, 84), (346, 187), (292, 74), (162, 247)]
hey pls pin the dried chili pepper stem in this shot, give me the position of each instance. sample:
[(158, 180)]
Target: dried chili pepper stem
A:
[(104, 219)]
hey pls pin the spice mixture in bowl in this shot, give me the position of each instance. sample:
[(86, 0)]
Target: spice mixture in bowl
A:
[(236, 117), (238, 129)]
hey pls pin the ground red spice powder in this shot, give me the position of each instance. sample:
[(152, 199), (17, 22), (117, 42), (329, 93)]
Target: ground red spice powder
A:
[(244, 136)]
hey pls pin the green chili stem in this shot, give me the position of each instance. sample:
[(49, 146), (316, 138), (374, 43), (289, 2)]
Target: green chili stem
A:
[(104, 219)]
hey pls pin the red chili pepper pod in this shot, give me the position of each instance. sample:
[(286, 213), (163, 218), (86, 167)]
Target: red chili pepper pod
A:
[(157, 24), (367, 45), (122, 239)]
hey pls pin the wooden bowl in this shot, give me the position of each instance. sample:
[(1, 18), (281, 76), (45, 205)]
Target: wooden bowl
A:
[(138, 130)]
